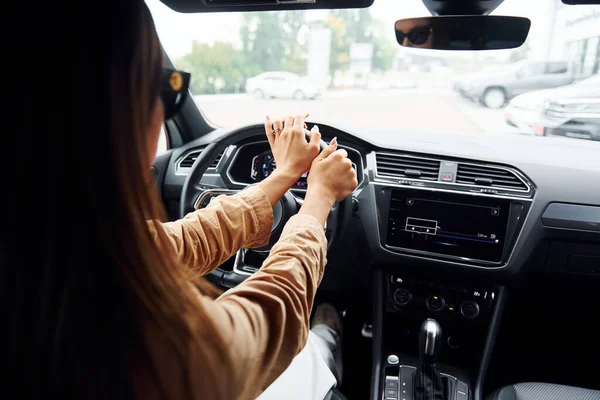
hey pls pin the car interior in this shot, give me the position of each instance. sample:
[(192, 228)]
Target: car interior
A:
[(474, 260)]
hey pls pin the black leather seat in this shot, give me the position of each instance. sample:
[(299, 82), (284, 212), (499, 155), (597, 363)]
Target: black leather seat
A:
[(543, 391)]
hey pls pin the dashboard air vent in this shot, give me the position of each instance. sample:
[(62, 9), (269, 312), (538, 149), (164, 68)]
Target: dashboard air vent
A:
[(216, 161), (401, 166), (488, 176), (189, 159)]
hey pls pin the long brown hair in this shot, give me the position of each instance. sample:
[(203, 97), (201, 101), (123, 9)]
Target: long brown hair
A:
[(82, 278)]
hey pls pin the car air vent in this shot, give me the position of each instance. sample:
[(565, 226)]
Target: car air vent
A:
[(216, 161), (189, 159), (401, 166), (488, 176)]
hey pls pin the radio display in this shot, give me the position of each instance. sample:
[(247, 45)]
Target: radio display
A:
[(449, 224)]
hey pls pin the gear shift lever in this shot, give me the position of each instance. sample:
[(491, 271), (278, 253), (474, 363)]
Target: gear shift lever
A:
[(430, 341), (428, 381)]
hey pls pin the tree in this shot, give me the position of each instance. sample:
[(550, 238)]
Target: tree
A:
[(339, 57), (358, 26), (293, 24), (270, 41), (384, 49), (217, 68)]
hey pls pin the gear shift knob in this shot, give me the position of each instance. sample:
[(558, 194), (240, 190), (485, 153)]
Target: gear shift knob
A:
[(430, 341)]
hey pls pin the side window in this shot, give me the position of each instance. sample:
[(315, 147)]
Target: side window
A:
[(274, 78), (163, 145), (556, 68)]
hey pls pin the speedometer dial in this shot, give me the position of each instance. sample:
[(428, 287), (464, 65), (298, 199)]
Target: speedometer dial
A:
[(268, 165), (263, 165)]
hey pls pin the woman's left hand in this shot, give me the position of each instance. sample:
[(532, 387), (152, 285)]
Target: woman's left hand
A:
[(293, 154)]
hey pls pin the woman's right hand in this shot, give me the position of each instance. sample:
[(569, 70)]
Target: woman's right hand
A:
[(331, 179), (331, 174)]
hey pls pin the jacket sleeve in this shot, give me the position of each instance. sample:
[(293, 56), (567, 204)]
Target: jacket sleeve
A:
[(206, 238), (265, 320)]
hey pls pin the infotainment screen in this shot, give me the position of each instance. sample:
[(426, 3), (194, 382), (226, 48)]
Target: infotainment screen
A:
[(451, 224)]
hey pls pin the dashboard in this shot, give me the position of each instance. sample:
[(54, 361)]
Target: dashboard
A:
[(497, 204)]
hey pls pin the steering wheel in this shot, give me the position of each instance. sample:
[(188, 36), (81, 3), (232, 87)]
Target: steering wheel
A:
[(193, 194)]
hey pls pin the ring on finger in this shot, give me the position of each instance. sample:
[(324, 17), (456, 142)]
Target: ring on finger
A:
[(276, 131)]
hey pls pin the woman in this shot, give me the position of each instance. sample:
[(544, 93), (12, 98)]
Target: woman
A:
[(99, 299)]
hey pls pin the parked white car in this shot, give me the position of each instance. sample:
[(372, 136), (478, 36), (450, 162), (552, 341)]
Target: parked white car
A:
[(528, 110), (282, 85)]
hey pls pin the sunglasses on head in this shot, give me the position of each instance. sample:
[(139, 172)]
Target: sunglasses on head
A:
[(418, 35), (173, 90)]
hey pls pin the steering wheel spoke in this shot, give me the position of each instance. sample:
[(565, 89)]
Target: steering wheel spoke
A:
[(238, 265)]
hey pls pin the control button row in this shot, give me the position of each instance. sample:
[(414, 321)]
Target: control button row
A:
[(483, 294)]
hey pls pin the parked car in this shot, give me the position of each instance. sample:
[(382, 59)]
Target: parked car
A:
[(282, 85), (494, 87), (572, 110), (575, 116)]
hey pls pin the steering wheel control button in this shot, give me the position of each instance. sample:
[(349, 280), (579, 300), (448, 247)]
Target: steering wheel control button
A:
[(402, 297), (469, 309), (435, 303), (393, 359)]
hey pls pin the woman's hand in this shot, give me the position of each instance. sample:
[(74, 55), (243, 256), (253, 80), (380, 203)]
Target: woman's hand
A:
[(293, 154), (331, 179)]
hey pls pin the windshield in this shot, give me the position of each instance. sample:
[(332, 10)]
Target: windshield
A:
[(345, 67)]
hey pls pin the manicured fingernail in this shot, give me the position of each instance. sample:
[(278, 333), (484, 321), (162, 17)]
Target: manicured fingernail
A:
[(268, 118), (315, 128), (333, 142)]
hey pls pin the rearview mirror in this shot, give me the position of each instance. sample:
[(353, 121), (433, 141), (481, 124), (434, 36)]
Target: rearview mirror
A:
[(469, 32)]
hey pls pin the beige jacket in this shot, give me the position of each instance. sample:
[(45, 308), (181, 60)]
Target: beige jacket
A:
[(265, 320)]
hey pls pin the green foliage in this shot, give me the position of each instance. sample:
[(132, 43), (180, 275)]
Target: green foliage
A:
[(270, 41), (384, 49), (357, 26), (217, 68), (273, 41)]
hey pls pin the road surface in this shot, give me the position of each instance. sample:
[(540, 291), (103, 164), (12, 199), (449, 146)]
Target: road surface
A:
[(419, 109)]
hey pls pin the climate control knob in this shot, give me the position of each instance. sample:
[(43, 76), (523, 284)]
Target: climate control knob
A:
[(435, 303), (402, 297), (469, 309)]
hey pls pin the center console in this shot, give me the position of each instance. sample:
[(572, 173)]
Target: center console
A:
[(428, 301), (406, 366)]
